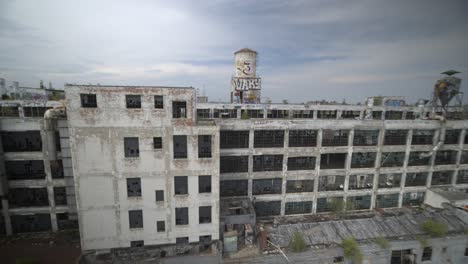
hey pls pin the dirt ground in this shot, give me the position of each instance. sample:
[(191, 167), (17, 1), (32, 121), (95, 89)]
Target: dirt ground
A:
[(40, 248)]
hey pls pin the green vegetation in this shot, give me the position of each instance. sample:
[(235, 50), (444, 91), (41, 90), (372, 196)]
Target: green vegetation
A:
[(423, 241), (434, 228), (382, 242), (337, 205), (245, 115), (297, 243), (378, 100), (351, 249)]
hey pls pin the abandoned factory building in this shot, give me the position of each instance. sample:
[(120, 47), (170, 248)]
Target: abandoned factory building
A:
[(142, 165)]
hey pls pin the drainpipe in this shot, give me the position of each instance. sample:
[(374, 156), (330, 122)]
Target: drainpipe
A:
[(50, 123), (441, 136)]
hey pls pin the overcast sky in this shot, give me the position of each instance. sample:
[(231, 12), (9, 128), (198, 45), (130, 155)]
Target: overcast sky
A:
[(308, 50)]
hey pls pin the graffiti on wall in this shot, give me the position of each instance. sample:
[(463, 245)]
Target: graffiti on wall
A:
[(245, 68), (245, 84)]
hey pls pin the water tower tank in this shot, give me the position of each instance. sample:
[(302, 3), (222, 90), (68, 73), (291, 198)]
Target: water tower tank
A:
[(246, 86), (245, 63)]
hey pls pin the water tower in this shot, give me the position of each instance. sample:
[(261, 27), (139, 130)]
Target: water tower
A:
[(245, 86)]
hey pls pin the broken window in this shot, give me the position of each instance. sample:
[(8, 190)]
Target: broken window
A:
[(441, 178), (160, 226), (180, 185), (393, 115), (269, 139), (254, 113), (204, 214), (392, 159), (422, 137), (203, 113), (157, 142), (159, 195), (357, 182), (225, 113), (302, 138), (455, 115), (332, 161), (331, 183), (230, 164), (410, 116), (21, 141), (180, 147), (445, 157), (204, 146), (135, 218), (395, 137), (387, 200), (31, 223), (334, 138), (390, 180), (234, 139), (427, 254), (363, 160), (416, 159), (28, 197), (303, 113), (133, 101), (88, 100), (413, 198), (377, 115), (36, 111), (205, 243), (267, 186), (182, 216), (263, 209), (24, 169), (464, 157), (326, 114), (132, 148), (137, 243), (204, 184), (230, 188), (416, 179), (365, 137), (339, 259), (9, 111), (60, 196), (64, 222), (452, 136), (462, 177), (301, 163), (402, 256), (298, 186), (350, 114), (303, 207), (158, 102), (179, 109), (56, 169), (133, 187), (275, 113), (267, 162), (326, 204), (358, 202)]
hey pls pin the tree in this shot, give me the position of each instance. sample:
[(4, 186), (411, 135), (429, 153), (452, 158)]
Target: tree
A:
[(245, 115), (297, 243), (352, 250)]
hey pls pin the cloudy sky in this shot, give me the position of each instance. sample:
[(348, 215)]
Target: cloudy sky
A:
[(308, 50)]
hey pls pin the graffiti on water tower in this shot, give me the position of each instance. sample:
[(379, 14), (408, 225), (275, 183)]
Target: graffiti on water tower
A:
[(245, 84), (245, 68)]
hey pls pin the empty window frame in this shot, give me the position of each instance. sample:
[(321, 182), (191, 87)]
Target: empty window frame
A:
[(303, 207), (180, 185), (137, 243), (233, 164), (133, 187), (392, 159), (298, 186), (225, 113), (452, 136), (24, 169), (31, 223), (395, 137), (180, 147), (387, 200), (327, 204), (21, 141), (266, 186), (267, 162), (358, 202), (390, 180), (182, 216), (182, 240), (446, 157), (413, 198), (332, 138), (416, 158), (133, 101), (60, 196), (160, 226), (401, 256), (275, 113), (9, 111), (358, 182), (462, 177), (254, 113), (333, 161), (234, 139), (455, 115), (88, 100), (464, 157), (28, 197), (204, 214), (441, 178), (203, 113), (132, 147), (159, 102), (416, 179), (264, 209), (410, 116), (56, 169), (365, 137), (326, 114), (204, 184), (135, 218), (159, 195), (363, 160), (331, 183), (204, 146), (348, 114), (393, 115), (269, 139), (301, 163), (427, 254), (422, 137), (302, 138), (232, 188), (303, 114), (35, 111), (205, 243), (179, 109), (377, 115)]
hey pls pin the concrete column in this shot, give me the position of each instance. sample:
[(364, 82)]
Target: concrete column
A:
[(48, 136), (284, 172), (250, 166)]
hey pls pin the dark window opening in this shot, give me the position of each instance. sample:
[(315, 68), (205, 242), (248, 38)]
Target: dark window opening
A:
[(464, 157), (268, 163), (234, 139), (182, 216), (157, 143), (365, 137), (9, 111), (377, 115), (413, 198), (230, 188), (363, 160), (225, 113), (452, 136), (158, 102), (88, 100), (410, 116), (35, 111), (303, 113), (180, 147), (203, 113), (395, 137), (204, 146), (269, 139), (427, 254), (64, 222), (298, 208), (137, 243), (56, 169), (327, 204), (205, 243), (416, 179), (391, 180), (302, 138), (231, 164), (60, 196), (392, 159), (31, 223), (132, 148), (159, 195), (326, 114), (301, 163), (254, 113), (393, 115), (135, 218), (338, 259), (267, 186), (264, 209), (462, 177), (133, 187), (58, 145), (28, 197), (331, 183), (275, 113), (401, 256), (441, 178), (180, 185), (445, 157), (179, 109), (182, 240), (204, 214), (204, 184), (24, 169), (332, 161), (298, 186), (358, 182), (350, 114), (387, 200), (358, 202), (422, 137), (21, 141), (160, 226), (332, 138), (416, 159)]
